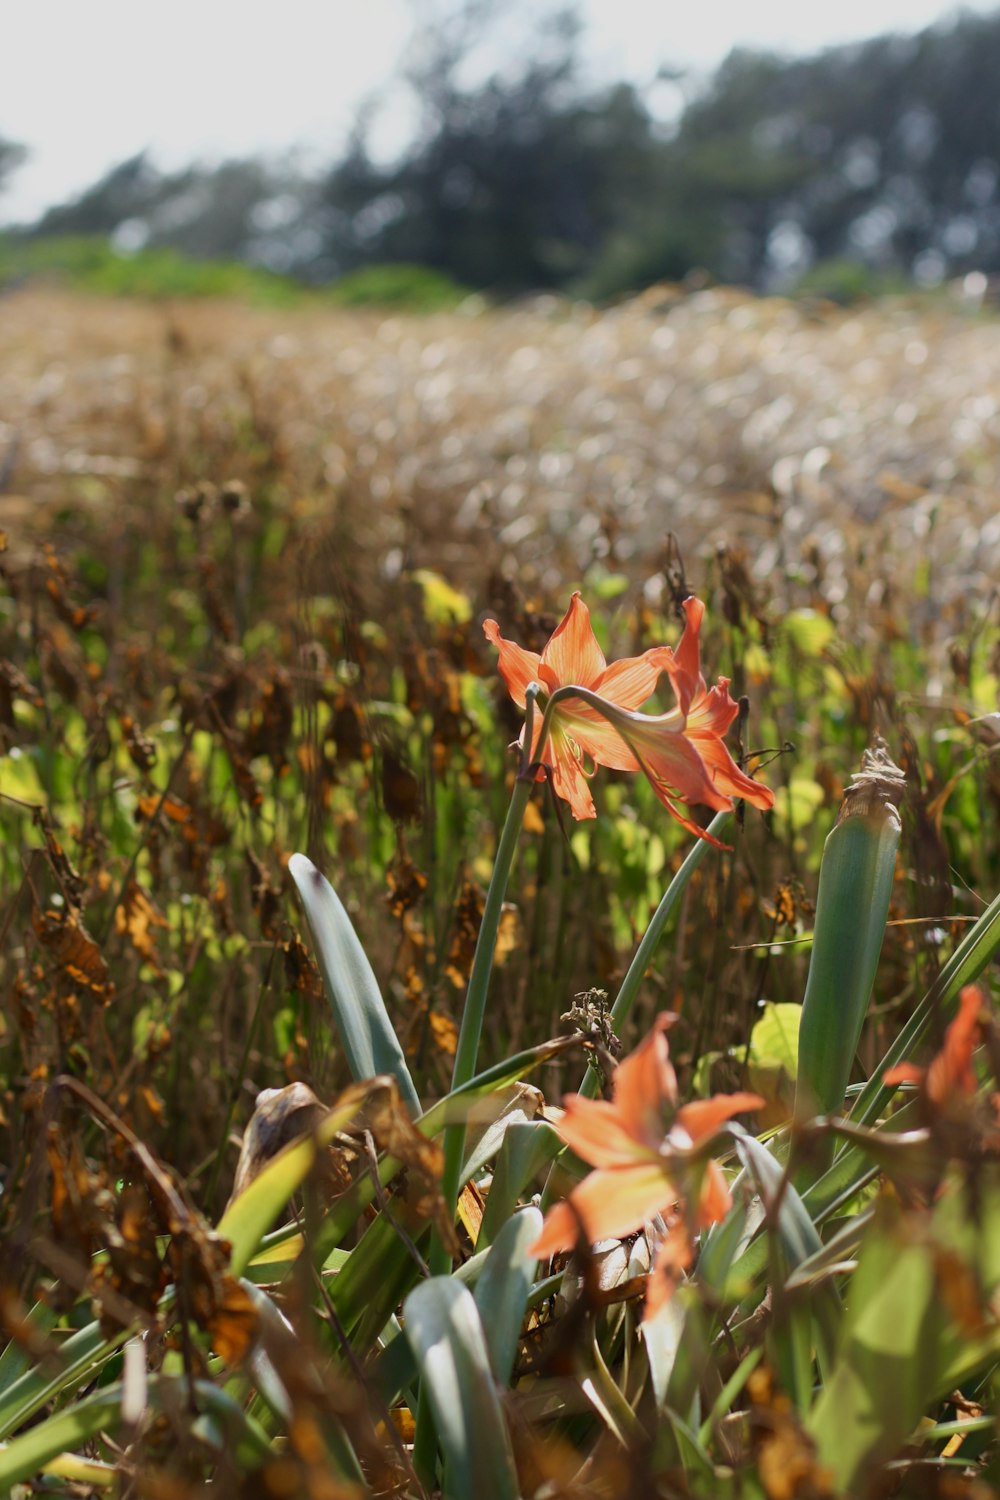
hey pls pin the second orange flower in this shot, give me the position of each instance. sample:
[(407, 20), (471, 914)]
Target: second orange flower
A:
[(681, 753)]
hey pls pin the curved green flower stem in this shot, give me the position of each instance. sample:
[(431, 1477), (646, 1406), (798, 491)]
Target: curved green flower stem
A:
[(625, 999)]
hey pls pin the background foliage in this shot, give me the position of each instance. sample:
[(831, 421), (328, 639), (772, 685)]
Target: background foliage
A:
[(866, 166)]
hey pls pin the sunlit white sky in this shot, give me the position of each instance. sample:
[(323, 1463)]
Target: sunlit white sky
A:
[(87, 83)]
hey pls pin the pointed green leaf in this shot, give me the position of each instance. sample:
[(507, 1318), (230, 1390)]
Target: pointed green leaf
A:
[(370, 1043), (527, 1147), (445, 1332), (503, 1286), (852, 905)]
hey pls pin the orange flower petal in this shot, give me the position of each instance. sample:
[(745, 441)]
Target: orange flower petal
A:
[(715, 1200), (952, 1071), (702, 1117), (673, 764), (518, 668), (597, 1132), (599, 739), (572, 653), (629, 682), (684, 663), (726, 774), (618, 1202), (560, 1231), (606, 1205), (903, 1073), (712, 711), (568, 779), (644, 1082)]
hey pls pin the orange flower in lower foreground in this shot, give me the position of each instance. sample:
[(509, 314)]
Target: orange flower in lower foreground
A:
[(646, 1164), (681, 752)]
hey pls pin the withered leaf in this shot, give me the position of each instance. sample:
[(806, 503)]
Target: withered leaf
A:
[(138, 918), (348, 731), (71, 883), (444, 1031), (406, 884), (467, 920), (232, 1322), (141, 750), (13, 685), (400, 789), (386, 1117), (172, 808), (266, 896), (465, 933), (74, 950), (271, 720), (279, 1116)]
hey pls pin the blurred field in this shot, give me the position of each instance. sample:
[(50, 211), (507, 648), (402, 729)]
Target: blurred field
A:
[(272, 538), (850, 453)]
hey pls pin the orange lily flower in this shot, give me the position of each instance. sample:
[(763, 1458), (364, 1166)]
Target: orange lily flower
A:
[(644, 1162), (951, 1072), (681, 753)]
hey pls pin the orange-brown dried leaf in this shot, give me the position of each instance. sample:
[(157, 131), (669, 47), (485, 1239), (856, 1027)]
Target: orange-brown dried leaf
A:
[(232, 1322), (77, 956), (406, 885), (349, 732), (56, 583), (466, 923), (14, 685), (444, 1031), (135, 1268), (301, 970), (137, 918), (172, 808), (388, 1120), (400, 789)]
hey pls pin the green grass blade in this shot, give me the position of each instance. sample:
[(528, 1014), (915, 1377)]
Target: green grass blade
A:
[(80, 1357), (15, 1359), (503, 1286), (799, 1240), (446, 1334), (101, 1412), (370, 1043)]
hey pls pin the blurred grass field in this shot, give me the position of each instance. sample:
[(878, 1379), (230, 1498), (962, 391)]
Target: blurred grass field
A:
[(248, 553)]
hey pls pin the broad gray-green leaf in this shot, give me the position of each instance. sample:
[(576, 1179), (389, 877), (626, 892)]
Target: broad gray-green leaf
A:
[(370, 1043), (527, 1147), (852, 905), (446, 1334), (503, 1286)]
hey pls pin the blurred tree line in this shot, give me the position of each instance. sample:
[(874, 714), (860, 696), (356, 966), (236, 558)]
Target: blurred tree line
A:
[(873, 160)]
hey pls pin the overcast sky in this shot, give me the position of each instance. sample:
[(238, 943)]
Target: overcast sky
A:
[(87, 83)]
